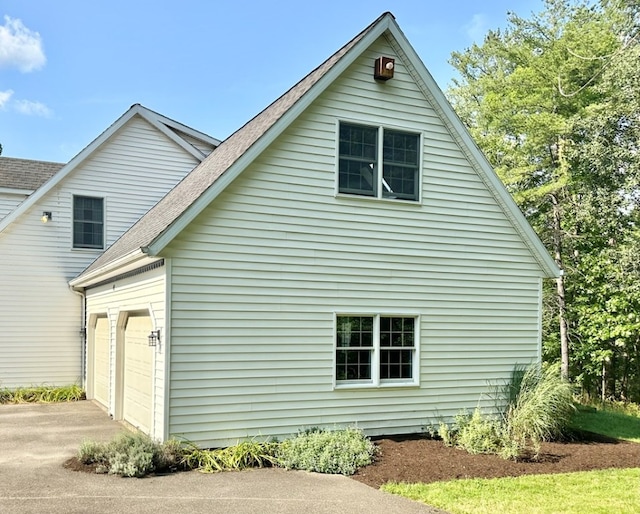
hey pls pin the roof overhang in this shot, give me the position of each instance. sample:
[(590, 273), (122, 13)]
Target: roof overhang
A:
[(129, 262)]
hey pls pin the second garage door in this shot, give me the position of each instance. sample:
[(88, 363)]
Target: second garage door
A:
[(137, 385)]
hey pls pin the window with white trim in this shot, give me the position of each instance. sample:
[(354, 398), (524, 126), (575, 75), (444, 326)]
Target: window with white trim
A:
[(376, 349), (88, 222), (362, 148)]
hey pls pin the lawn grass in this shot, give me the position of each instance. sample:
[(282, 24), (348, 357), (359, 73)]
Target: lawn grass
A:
[(596, 492), (611, 424), (603, 491)]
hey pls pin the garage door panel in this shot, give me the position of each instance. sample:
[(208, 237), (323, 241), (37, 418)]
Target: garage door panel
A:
[(137, 376), (101, 361)]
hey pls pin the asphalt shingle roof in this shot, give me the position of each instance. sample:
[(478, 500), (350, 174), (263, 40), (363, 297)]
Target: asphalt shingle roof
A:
[(202, 177), (25, 173)]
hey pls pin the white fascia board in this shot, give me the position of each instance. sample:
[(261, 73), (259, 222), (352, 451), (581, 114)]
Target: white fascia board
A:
[(201, 203), (126, 263), (196, 134), (68, 168), (460, 132), (152, 119)]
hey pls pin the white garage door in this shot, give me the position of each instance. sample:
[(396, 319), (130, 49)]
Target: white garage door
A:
[(101, 361), (137, 376)]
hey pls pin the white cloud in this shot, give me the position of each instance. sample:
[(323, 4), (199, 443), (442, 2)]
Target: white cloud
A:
[(20, 47), (4, 97), (477, 28), (32, 108)]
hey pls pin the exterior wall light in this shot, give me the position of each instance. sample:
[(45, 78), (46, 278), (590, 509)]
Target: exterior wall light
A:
[(383, 68), (46, 217), (154, 337)]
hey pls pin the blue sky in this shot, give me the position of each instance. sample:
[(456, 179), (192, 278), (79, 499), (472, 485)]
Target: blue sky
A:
[(70, 68)]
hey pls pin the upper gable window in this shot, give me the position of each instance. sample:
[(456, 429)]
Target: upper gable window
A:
[(363, 148), (88, 222)]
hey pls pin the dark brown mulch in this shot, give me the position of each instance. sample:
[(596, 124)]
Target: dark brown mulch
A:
[(75, 465), (419, 459)]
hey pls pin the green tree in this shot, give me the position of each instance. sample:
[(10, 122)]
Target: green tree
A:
[(533, 96)]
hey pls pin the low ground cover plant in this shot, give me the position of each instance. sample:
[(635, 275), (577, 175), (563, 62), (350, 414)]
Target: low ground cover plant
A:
[(132, 454), (42, 394), (324, 451), (327, 451)]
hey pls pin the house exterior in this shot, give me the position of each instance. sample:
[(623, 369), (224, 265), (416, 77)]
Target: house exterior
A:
[(347, 257), (56, 219)]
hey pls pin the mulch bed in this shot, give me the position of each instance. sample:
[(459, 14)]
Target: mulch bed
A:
[(419, 459)]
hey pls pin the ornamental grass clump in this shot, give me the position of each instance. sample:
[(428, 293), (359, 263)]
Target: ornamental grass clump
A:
[(327, 451), (42, 394), (244, 455), (540, 410), (535, 406)]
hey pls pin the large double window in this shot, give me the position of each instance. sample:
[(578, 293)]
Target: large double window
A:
[(376, 349), (378, 162), (88, 222)]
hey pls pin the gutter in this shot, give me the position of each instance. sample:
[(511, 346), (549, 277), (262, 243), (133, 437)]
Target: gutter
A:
[(117, 267), (83, 337)]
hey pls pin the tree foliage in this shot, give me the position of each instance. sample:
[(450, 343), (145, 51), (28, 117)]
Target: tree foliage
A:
[(553, 102)]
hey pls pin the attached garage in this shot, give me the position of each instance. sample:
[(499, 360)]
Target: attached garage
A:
[(137, 372), (100, 360), (125, 373)]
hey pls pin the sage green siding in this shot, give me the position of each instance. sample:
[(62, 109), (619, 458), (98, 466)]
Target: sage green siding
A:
[(258, 277)]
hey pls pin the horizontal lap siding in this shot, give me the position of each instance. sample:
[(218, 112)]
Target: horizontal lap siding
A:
[(257, 277), (40, 318), (8, 202), (144, 292)]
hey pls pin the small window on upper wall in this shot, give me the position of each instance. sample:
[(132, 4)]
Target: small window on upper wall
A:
[(88, 222), (363, 148)]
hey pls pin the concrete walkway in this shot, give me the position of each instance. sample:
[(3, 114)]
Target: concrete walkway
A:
[(36, 439)]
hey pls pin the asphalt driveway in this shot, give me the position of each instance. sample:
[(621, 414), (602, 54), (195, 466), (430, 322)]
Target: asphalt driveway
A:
[(36, 439)]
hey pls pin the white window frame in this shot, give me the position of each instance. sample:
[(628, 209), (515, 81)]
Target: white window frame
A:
[(376, 381), (104, 222), (379, 162)]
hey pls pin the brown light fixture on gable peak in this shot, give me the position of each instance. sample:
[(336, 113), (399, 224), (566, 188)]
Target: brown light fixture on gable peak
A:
[(383, 68)]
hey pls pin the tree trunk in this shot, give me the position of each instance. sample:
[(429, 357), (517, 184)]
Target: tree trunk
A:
[(562, 306)]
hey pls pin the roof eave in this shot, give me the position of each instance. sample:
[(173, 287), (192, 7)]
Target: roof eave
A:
[(126, 263), (201, 203), (477, 157)]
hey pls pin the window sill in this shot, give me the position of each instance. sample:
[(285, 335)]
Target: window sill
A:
[(416, 203), (381, 385)]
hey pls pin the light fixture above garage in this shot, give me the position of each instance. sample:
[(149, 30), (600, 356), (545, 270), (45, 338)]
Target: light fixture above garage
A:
[(154, 337), (46, 217)]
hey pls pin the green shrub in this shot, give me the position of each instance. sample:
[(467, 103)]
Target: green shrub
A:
[(479, 434), (324, 451), (132, 454), (246, 454), (42, 394)]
